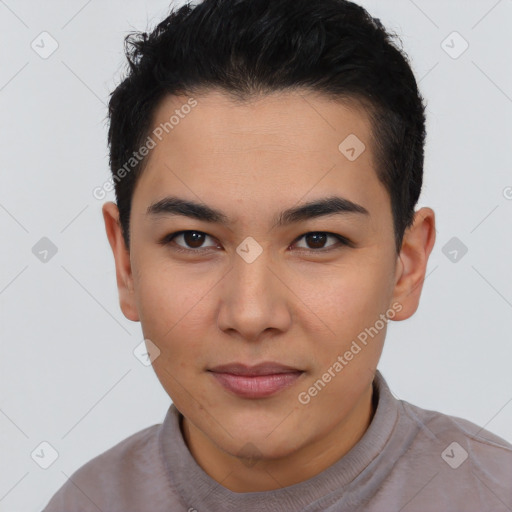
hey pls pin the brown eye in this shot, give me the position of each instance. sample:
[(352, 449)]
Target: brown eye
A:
[(316, 240), (188, 240), (194, 239)]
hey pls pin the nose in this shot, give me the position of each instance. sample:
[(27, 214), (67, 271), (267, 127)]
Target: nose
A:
[(254, 300)]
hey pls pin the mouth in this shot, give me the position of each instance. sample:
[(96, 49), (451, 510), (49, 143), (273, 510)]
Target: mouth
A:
[(259, 381)]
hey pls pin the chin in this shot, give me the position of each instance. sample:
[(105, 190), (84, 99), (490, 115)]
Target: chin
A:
[(262, 442), (259, 449)]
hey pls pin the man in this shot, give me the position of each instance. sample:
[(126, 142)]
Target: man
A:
[(267, 157)]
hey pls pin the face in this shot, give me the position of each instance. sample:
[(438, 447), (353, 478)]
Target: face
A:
[(259, 278)]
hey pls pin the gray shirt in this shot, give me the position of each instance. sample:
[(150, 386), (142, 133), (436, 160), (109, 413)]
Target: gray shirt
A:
[(409, 459)]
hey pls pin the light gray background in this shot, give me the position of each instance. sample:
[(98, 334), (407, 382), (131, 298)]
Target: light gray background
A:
[(68, 374)]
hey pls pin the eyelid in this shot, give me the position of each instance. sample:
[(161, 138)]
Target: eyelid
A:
[(343, 241)]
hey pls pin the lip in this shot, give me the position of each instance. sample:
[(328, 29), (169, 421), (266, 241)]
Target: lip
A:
[(264, 368), (258, 381)]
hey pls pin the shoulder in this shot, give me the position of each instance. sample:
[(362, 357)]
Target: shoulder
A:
[(117, 479), (445, 427), (468, 465)]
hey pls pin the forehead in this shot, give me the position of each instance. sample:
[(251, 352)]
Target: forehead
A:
[(298, 121), (277, 148)]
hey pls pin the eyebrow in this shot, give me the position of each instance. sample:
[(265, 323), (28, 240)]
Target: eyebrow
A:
[(332, 205)]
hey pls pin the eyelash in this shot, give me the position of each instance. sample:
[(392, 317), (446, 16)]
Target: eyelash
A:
[(170, 237)]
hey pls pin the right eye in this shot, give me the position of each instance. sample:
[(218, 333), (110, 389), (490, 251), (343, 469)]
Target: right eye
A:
[(192, 241)]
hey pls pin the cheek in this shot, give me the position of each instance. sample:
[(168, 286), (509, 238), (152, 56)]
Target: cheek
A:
[(162, 292), (158, 302), (168, 315), (173, 308), (350, 298)]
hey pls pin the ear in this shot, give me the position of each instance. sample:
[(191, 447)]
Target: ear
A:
[(412, 261), (122, 261)]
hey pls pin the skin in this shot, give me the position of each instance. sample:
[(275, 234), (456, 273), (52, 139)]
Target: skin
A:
[(294, 304)]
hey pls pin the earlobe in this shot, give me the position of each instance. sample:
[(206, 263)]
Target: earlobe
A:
[(124, 276), (417, 245)]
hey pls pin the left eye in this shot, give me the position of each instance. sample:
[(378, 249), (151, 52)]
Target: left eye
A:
[(193, 240), (318, 238)]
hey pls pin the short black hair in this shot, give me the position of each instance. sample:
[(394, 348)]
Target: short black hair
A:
[(246, 48)]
